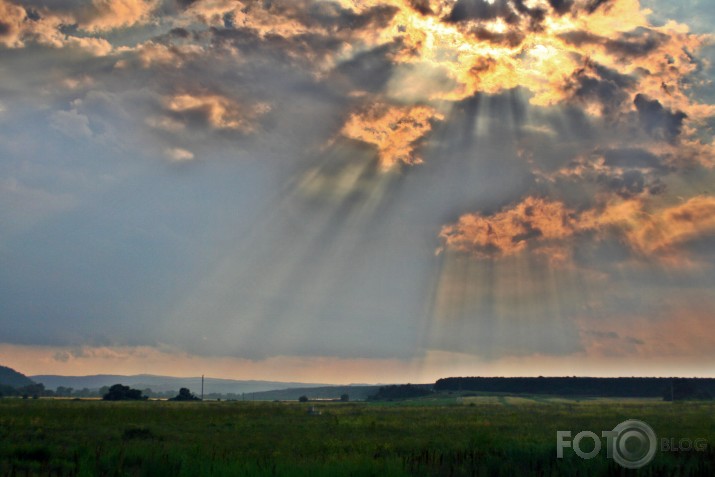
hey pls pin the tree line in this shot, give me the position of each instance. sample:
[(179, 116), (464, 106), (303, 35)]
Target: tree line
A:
[(668, 388)]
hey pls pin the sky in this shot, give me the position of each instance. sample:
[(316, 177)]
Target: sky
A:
[(357, 191)]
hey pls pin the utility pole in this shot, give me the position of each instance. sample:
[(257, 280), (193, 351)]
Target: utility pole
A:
[(202, 387)]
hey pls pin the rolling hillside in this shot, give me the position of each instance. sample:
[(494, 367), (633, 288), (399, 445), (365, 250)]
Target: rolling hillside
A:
[(12, 378), (167, 383)]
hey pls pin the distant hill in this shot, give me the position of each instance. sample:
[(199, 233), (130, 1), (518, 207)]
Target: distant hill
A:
[(356, 393), (167, 383), (12, 378)]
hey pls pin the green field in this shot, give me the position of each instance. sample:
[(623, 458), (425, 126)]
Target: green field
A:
[(443, 436)]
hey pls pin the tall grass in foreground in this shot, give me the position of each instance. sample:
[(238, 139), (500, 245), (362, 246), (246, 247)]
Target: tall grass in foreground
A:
[(488, 436)]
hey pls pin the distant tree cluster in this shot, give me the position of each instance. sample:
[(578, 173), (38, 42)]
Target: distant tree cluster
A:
[(119, 392), (185, 395), (400, 391), (34, 391)]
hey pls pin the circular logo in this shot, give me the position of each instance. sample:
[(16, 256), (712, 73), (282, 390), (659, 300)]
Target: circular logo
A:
[(635, 444)]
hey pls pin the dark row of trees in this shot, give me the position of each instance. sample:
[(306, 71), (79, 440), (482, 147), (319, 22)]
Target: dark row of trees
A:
[(401, 391), (117, 392), (667, 388), (34, 391), (682, 389)]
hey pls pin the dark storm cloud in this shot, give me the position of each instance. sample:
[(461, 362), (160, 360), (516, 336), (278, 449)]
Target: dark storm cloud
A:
[(632, 172), (56, 6), (658, 121), (421, 6), (632, 183), (535, 15), (335, 18), (179, 32), (597, 83), (327, 27), (511, 38), (328, 15), (561, 6), (628, 184), (465, 10), (593, 5), (511, 11), (580, 37), (638, 42), (184, 4), (304, 50), (633, 157), (368, 71)]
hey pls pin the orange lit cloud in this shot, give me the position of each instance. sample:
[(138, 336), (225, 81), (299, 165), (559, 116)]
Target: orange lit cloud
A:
[(393, 129), (43, 25), (491, 47), (509, 232), (666, 232), (605, 57), (550, 228), (11, 24), (151, 54), (105, 15)]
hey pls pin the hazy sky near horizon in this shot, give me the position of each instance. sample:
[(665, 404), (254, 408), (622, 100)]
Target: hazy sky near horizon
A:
[(357, 190)]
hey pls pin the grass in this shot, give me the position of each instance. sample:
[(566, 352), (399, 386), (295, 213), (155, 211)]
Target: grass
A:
[(453, 435)]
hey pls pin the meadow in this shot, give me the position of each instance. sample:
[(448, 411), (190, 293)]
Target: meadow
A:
[(444, 435)]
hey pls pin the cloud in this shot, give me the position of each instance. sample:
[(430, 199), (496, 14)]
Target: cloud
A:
[(606, 88), (215, 111), (625, 171), (421, 6), (534, 221), (71, 124), (11, 24), (395, 130), (657, 120), (561, 6), (105, 15), (668, 232), (178, 154), (43, 25), (550, 229), (294, 18), (152, 54)]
